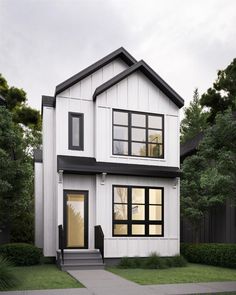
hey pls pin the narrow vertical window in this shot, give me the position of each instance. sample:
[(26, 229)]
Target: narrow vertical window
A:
[(76, 131)]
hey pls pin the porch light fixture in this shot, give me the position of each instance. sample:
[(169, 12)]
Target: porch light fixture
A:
[(103, 178), (175, 182), (60, 172)]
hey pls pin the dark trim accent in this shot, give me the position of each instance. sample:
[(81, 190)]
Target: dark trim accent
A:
[(150, 74), (119, 53), (146, 222), (189, 147), (80, 147), (146, 128), (38, 156), (48, 101), (89, 166), (86, 212)]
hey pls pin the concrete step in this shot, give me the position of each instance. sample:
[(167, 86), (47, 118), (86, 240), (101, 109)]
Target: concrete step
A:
[(81, 261), (84, 266)]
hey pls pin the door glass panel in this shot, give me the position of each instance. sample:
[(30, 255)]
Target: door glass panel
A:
[(75, 131), (120, 229), (138, 229), (155, 196), (75, 220), (155, 212), (155, 229)]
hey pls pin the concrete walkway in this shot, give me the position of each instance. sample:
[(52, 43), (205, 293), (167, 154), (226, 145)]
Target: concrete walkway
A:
[(101, 282)]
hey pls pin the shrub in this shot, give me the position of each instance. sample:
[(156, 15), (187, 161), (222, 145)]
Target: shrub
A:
[(212, 254), (7, 277), (155, 261), (21, 254), (125, 262)]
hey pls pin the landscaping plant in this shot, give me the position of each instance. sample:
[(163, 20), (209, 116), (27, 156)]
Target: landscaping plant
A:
[(7, 277)]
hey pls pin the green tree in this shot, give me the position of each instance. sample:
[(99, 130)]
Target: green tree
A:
[(209, 177), (222, 96), (16, 173), (195, 119)]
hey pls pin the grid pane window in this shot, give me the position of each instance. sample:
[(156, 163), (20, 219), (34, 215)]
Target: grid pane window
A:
[(137, 211), (138, 134)]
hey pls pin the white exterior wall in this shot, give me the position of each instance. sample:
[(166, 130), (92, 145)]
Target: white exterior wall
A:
[(136, 93), (78, 98), (86, 183), (139, 246), (49, 197), (38, 204)]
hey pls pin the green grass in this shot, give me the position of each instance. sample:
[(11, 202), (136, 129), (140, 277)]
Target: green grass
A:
[(193, 273), (41, 277)]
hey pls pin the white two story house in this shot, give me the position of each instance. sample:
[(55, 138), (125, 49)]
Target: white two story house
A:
[(110, 157)]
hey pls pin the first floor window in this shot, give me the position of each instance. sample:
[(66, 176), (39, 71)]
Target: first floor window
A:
[(137, 211)]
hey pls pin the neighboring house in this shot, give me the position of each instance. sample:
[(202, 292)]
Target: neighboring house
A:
[(110, 157), (219, 225)]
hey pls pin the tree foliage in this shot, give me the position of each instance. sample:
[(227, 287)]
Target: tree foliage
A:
[(195, 120), (222, 95), (20, 132), (209, 177)]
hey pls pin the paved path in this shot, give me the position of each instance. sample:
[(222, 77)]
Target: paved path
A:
[(101, 282)]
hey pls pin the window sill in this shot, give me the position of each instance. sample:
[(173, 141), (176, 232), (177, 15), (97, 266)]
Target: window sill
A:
[(138, 158)]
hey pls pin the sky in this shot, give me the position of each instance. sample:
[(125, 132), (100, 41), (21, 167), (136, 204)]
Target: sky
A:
[(44, 42)]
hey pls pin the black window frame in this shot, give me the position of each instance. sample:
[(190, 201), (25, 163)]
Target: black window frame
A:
[(146, 222), (146, 128), (79, 147)]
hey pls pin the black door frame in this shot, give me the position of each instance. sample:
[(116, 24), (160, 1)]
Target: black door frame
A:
[(86, 213)]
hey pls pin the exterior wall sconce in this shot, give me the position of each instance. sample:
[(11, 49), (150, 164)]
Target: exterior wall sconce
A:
[(103, 178), (60, 174), (175, 182)]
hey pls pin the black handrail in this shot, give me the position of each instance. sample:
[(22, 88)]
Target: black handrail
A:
[(61, 237), (99, 239)]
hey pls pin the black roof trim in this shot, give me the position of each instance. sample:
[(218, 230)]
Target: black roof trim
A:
[(84, 165), (189, 147), (38, 156), (48, 101), (150, 74), (121, 53)]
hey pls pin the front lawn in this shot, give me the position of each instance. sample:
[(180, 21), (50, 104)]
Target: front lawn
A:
[(41, 277), (193, 273)]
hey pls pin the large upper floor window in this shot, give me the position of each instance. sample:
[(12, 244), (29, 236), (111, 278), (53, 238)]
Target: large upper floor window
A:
[(76, 131), (138, 211), (138, 134)]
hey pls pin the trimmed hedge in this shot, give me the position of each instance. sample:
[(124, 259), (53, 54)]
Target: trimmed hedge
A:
[(21, 254), (154, 261), (212, 254)]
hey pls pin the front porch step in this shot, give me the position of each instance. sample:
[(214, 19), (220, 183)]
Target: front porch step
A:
[(80, 259)]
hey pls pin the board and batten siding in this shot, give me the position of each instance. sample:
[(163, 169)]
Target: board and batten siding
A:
[(78, 98), (139, 246), (38, 204), (136, 93), (49, 194), (83, 183)]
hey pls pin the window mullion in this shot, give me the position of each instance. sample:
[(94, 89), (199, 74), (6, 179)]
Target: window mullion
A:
[(146, 135), (129, 211)]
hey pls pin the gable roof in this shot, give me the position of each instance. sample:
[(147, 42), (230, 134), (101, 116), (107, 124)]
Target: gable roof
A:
[(119, 53), (150, 74)]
